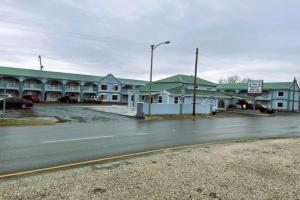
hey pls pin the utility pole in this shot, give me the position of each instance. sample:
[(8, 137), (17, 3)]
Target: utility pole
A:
[(150, 83), (195, 82), (4, 100), (41, 66), (294, 90)]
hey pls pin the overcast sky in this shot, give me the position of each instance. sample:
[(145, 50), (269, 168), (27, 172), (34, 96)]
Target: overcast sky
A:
[(258, 39)]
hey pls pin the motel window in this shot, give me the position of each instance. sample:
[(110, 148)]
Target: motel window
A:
[(279, 105), (115, 88), (159, 99), (103, 87), (115, 97), (280, 94), (104, 97), (176, 100)]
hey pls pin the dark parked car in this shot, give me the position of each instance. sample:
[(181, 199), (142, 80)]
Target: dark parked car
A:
[(16, 102), (33, 98), (261, 108), (67, 99)]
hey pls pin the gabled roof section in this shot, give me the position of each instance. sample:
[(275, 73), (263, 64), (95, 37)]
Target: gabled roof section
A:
[(10, 71), (157, 87), (185, 79), (133, 82), (244, 86), (110, 79)]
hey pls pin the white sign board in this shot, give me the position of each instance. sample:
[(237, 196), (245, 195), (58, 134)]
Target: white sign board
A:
[(255, 86)]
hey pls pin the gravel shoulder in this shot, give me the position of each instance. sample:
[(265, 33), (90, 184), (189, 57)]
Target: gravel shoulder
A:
[(263, 169)]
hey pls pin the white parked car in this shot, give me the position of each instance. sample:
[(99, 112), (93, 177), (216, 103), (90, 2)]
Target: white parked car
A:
[(92, 99), (2, 96)]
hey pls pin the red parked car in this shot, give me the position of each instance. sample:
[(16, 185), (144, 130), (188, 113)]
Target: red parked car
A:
[(33, 98)]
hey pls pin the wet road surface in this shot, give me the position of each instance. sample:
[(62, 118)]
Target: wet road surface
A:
[(27, 148), (65, 113)]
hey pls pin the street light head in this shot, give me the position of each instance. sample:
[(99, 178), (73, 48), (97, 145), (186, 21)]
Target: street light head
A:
[(167, 42)]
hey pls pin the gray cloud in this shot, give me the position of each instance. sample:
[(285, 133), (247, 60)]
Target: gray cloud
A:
[(256, 39)]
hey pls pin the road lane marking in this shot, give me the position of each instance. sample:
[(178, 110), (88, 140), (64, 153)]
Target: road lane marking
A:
[(117, 157), (76, 139), (78, 164), (91, 138), (232, 126)]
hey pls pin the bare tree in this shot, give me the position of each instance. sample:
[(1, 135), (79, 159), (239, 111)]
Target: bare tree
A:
[(222, 80), (234, 79), (245, 80)]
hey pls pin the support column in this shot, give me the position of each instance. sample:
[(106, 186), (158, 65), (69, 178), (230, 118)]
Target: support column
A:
[(64, 87), (43, 92), (97, 89), (81, 91), (21, 83)]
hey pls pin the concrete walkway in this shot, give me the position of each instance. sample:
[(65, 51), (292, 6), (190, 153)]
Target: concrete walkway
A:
[(116, 109)]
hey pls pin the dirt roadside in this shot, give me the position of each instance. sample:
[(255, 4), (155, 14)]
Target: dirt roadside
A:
[(263, 169)]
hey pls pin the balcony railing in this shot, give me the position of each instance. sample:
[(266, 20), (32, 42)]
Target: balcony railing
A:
[(32, 86), (10, 85), (89, 90), (54, 87), (72, 89)]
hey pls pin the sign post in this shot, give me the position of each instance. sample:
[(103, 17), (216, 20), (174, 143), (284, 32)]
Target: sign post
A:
[(255, 88)]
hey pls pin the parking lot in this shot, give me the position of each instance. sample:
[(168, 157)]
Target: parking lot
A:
[(65, 113)]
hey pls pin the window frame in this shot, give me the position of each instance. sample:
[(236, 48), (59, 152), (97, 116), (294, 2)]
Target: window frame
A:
[(118, 97), (160, 99), (280, 92), (177, 100), (278, 104), (104, 94), (113, 87), (103, 85)]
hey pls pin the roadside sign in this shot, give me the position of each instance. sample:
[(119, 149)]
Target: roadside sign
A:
[(255, 87)]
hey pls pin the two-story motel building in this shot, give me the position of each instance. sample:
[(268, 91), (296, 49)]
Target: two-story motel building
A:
[(281, 96), (50, 86)]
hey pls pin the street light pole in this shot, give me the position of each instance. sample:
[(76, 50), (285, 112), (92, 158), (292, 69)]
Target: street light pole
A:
[(151, 67)]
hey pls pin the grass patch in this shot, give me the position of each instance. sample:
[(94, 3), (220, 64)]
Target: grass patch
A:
[(28, 121)]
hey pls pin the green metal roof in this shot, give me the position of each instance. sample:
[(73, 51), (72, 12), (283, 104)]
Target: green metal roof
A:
[(175, 89), (10, 71), (133, 82), (157, 87), (244, 86), (46, 74), (180, 78), (203, 93)]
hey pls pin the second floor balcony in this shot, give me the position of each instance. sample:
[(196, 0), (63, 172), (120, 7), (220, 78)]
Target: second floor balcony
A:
[(72, 89), (10, 85), (54, 87), (89, 89), (32, 86)]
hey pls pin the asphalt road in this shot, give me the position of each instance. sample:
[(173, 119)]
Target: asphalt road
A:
[(28, 148)]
